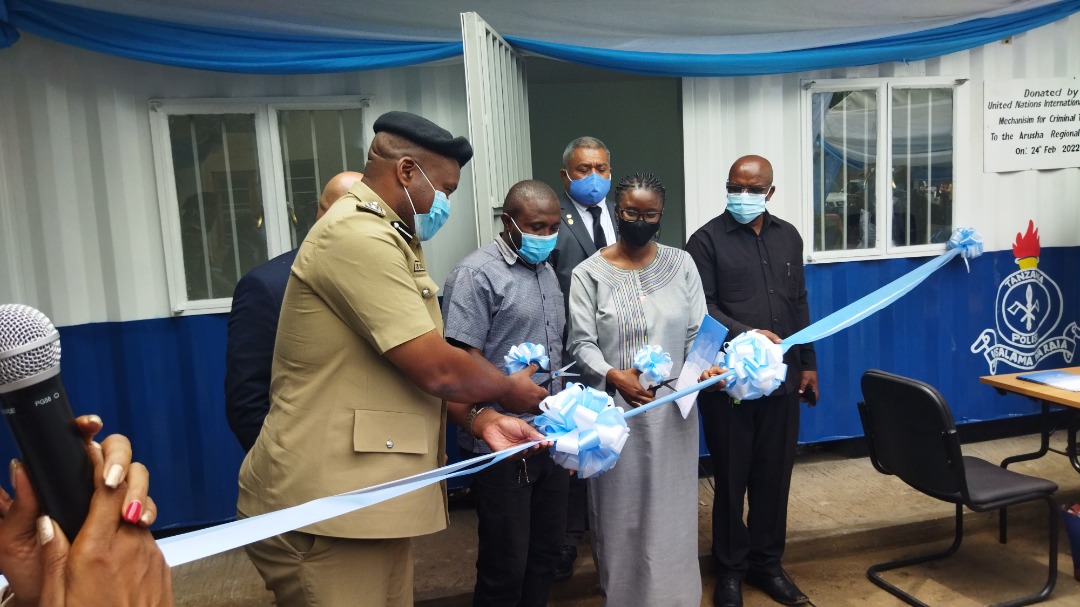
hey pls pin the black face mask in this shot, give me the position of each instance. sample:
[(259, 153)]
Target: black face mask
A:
[(637, 233)]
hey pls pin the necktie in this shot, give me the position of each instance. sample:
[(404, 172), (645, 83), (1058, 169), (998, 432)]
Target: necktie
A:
[(598, 236)]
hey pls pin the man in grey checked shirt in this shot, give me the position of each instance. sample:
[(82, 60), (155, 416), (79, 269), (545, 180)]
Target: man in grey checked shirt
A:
[(499, 296)]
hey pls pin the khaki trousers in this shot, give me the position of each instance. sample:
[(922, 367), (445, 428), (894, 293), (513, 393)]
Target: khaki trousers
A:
[(305, 570)]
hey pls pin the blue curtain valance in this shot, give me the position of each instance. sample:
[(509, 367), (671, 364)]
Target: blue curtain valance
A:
[(282, 49)]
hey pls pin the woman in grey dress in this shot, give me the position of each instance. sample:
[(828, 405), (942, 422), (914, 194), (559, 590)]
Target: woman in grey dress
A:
[(643, 512)]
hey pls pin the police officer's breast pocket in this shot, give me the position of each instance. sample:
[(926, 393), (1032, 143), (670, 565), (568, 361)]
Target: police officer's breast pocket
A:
[(388, 432)]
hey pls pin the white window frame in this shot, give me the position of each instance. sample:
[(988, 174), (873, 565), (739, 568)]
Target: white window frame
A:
[(271, 169), (883, 247)]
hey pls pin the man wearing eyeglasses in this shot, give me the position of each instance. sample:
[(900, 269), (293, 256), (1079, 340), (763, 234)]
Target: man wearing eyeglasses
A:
[(751, 270)]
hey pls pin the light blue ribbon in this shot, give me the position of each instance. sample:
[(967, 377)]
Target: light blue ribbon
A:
[(588, 429), (757, 364), (655, 364), (523, 355), (968, 242), (964, 241), (200, 544), (679, 394)]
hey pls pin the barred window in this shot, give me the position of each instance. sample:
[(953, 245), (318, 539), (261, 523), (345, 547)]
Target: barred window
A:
[(922, 165), (239, 183), (315, 146), (215, 173), (881, 157)]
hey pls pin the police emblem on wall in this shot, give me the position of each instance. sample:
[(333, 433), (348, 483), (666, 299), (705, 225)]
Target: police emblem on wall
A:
[(1028, 312)]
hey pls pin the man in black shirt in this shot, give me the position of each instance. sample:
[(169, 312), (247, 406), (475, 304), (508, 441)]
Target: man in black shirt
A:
[(752, 272)]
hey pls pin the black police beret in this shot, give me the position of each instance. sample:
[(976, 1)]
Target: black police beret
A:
[(426, 134)]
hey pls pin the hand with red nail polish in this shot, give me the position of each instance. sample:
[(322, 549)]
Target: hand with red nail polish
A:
[(115, 453), (111, 562), (20, 551), (133, 512), (138, 487), (43, 570)]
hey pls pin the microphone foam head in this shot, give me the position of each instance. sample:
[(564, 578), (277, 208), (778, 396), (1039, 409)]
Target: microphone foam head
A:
[(20, 326)]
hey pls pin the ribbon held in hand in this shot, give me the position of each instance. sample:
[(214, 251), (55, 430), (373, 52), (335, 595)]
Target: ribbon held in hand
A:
[(654, 364), (523, 355), (755, 366), (588, 429)]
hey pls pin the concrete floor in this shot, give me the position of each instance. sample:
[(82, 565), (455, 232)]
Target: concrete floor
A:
[(843, 517)]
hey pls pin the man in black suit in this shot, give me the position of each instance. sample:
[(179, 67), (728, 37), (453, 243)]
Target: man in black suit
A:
[(587, 215), (253, 321), (587, 225)]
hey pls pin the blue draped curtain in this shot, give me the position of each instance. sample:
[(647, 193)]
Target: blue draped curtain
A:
[(209, 48), (907, 47)]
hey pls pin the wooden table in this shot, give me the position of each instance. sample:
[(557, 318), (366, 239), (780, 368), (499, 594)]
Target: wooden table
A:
[(1046, 395)]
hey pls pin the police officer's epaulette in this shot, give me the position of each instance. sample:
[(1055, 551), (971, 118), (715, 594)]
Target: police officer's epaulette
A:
[(371, 207), (375, 208)]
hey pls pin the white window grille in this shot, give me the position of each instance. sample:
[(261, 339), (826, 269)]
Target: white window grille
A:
[(239, 183), (881, 156)]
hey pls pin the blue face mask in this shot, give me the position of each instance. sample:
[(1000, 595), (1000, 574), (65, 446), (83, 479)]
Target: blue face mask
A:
[(535, 249), (745, 207), (427, 224), (590, 189)]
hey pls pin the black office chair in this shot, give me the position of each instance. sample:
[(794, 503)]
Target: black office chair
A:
[(910, 432)]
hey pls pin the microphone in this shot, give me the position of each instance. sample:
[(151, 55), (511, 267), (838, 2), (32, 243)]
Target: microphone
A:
[(35, 405)]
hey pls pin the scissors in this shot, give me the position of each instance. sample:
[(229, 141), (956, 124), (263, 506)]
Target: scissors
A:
[(557, 374), (664, 384)]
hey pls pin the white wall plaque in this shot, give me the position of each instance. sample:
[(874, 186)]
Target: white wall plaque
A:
[(1031, 124)]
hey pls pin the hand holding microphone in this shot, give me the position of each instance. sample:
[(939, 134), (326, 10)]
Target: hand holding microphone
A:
[(36, 408), (111, 562), (49, 563)]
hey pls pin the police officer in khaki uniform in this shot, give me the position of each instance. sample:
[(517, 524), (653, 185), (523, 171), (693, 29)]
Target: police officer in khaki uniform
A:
[(359, 378)]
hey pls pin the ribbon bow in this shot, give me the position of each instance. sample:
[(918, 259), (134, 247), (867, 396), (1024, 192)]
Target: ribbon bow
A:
[(588, 429), (523, 355), (969, 242), (757, 364), (654, 364)]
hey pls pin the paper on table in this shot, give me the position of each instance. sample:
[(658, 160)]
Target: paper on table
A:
[(1054, 378), (703, 354)]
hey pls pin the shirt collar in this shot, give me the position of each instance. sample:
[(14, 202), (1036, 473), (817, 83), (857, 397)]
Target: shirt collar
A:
[(509, 255), (731, 224), (363, 193), (366, 196)]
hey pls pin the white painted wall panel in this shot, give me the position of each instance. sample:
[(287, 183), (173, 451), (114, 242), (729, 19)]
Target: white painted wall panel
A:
[(725, 118), (78, 194)]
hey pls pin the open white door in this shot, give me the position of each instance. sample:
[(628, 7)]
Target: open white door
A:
[(498, 104)]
